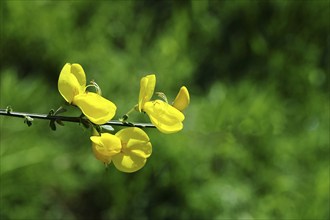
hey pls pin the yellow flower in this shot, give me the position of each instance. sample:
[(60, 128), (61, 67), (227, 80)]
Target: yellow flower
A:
[(105, 146), (166, 118), (128, 149), (72, 86)]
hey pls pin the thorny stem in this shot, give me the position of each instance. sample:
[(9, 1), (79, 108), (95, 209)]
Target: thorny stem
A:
[(5, 112)]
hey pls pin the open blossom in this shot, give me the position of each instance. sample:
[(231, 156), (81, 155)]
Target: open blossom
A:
[(167, 118), (105, 146), (128, 149), (72, 86)]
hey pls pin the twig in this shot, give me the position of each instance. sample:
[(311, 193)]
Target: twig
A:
[(5, 112)]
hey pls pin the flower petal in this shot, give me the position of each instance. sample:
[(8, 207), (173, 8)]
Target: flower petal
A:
[(136, 148), (96, 108), (69, 84), (165, 117), (128, 163), (105, 146), (99, 155), (135, 142), (79, 73), (182, 100), (147, 86)]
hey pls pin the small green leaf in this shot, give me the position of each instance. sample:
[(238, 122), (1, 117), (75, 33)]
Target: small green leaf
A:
[(28, 120), (58, 121), (52, 125), (51, 112), (107, 128), (124, 118), (9, 109)]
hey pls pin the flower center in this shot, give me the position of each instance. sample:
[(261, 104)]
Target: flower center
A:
[(124, 149)]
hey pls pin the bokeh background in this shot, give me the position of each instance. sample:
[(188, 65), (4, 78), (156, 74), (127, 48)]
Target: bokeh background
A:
[(256, 139)]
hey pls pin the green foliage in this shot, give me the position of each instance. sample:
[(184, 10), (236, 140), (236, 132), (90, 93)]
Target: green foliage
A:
[(256, 139)]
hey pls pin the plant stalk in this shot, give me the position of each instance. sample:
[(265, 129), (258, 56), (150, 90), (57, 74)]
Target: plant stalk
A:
[(5, 112)]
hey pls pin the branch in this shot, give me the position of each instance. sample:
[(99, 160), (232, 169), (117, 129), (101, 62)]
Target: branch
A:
[(5, 112)]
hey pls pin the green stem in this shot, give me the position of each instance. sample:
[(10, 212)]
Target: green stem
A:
[(132, 110), (5, 112), (125, 117)]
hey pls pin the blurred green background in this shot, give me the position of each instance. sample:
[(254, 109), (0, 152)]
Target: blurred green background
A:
[(256, 139)]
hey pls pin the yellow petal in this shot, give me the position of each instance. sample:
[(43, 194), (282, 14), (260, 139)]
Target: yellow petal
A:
[(165, 117), (79, 73), (128, 163), (147, 86), (105, 146), (136, 148), (135, 141), (96, 108), (182, 100), (72, 81), (98, 155)]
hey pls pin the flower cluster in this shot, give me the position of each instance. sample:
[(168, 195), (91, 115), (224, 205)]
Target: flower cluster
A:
[(129, 148)]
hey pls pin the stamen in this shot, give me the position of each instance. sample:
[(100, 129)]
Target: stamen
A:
[(97, 87), (163, 96)]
